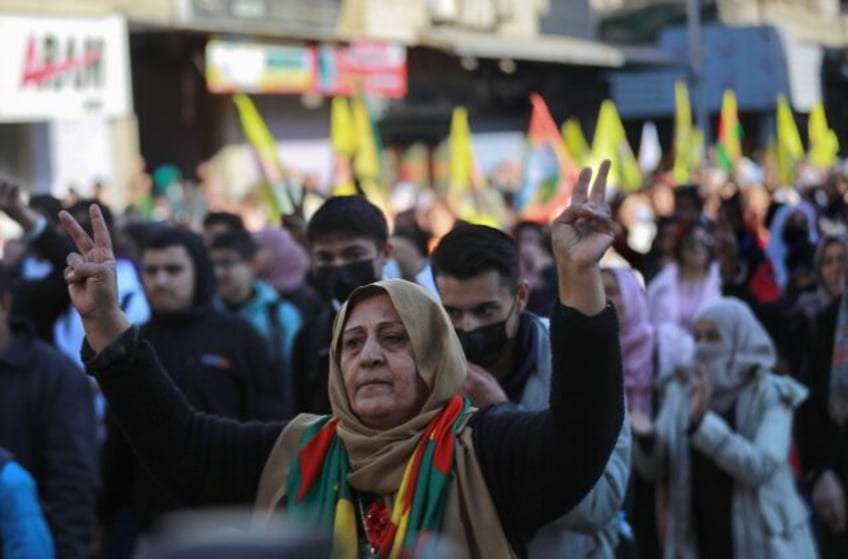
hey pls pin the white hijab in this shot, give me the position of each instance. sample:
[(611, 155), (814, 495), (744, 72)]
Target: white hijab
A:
[(745, 347)]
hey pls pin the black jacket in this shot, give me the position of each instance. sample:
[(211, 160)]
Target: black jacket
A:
[(219, 362), (223, 367), (311, 364), (209, 460), (47, 422), (822, 443), (42, 301)]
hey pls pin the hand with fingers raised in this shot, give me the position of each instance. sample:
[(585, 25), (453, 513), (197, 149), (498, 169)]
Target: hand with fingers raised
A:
[(11, 202), (92, 282), (581, 236)]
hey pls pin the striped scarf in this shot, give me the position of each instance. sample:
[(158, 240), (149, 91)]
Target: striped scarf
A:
[(320, 495)]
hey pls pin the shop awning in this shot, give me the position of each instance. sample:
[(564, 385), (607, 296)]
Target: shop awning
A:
[(544, 48)]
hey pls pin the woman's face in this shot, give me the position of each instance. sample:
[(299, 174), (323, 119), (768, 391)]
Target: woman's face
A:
[(706, 332), (613, 292), (833, 268), (378, 366), (696, 251)]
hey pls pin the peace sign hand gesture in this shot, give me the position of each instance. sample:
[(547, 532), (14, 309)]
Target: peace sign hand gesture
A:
[(92, 281), (581, 235), (584, 231)]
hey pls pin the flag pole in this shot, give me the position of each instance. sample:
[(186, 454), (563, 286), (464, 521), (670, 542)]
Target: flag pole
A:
[(696, 67)]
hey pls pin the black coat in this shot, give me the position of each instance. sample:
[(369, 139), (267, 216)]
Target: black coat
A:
[(311, 364), (42, 302), (822, 443), (223, 367), (47, 422)]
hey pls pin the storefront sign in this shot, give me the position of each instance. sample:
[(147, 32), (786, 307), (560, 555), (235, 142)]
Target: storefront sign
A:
[(237, 66), (378, 68), (63, 68), (233, 67)]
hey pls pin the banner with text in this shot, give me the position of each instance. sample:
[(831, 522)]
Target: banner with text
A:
[(234, 66), (63, 68)]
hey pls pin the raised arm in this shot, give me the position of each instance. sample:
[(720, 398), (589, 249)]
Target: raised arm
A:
[(42, 301), (200, 458), (539, 465)]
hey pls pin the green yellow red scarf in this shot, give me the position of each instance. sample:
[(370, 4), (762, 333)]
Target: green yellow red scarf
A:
[(319, 494)]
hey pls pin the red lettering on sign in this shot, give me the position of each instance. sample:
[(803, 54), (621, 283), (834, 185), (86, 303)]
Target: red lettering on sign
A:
[(37, 71)]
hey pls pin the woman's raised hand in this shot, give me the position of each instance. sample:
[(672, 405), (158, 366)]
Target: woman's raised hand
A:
[(92, 282), (584, 231), (581, 236)]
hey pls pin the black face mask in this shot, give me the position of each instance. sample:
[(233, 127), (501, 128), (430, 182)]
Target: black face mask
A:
[(338, 282), (484, 345)]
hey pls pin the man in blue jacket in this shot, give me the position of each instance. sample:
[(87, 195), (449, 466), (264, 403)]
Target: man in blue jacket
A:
[(254, 300)]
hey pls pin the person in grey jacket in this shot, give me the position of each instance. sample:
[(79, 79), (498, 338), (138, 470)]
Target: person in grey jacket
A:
[(722, 438), (509, 353)]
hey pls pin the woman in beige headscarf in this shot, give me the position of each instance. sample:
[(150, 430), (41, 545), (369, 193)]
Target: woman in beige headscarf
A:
[(403, 460)]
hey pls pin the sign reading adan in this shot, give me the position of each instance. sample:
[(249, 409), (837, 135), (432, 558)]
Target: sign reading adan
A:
[(63, 68)]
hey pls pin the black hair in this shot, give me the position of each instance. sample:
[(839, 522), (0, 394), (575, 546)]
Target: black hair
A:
[(687, 231), (688, 192), (6, 280), (231, 221), (348, 217), (80, 210), (240, 242), (529, 225), (468, 251), (46, 205), (407, 227), (204, 276), (545, 241)]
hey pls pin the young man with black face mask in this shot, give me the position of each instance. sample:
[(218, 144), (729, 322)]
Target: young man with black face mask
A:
[(476, 269), (348, 245)]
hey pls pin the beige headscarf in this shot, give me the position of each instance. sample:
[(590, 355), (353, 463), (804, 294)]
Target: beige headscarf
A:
[(378, 458)]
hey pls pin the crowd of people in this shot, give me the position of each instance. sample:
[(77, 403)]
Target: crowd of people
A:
[(405, 389)]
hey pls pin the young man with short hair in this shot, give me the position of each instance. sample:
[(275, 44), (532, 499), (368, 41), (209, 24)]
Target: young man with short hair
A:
[(348, 246), (508, 350), (218, 361), (239, 292)]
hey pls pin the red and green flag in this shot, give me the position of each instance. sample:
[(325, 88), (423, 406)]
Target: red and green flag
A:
[(729, 145), (549, 171)]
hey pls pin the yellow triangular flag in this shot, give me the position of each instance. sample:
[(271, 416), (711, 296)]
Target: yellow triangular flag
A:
[(790, 150), (461, 151), (343, 141), (610, 142), (682, 134), (824, 146), (575, 142)]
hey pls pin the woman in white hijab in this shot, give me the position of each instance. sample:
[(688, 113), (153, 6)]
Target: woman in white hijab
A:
[(722, 438)]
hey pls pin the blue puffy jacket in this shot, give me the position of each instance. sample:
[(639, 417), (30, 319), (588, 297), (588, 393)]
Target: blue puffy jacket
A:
[(23, 531)]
